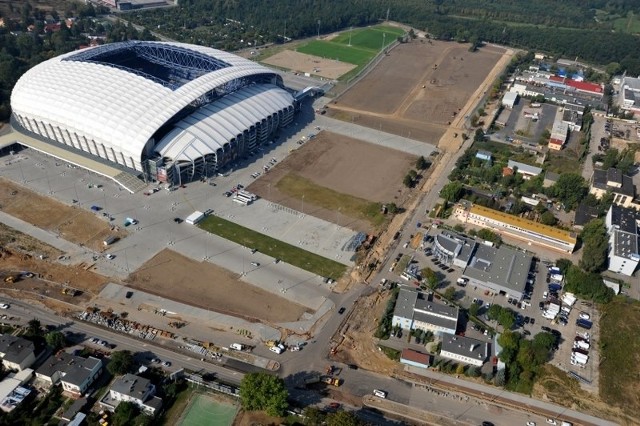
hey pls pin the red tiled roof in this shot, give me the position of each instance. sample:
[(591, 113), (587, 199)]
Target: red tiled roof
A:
[(585, 86), (415, 356)]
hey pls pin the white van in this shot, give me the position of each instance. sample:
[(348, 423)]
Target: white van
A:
[(276, 349), (380, 393)]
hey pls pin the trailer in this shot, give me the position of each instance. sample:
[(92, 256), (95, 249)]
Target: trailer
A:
[(194, 217), (312, 380), (109, 240), (580, 351), (580, 344), (584, 324), (247, 194), (243, 197)]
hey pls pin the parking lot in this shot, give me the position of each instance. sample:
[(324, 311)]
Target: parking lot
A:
[(530, 130)]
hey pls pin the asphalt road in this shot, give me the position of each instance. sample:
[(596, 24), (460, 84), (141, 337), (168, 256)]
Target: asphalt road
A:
[(79, 332)]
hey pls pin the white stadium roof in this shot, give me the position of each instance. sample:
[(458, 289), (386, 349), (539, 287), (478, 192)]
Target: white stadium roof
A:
[(196, 135), (120, 108)]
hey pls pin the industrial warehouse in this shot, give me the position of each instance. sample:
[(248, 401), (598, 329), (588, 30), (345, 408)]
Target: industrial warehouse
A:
[(163, 112)]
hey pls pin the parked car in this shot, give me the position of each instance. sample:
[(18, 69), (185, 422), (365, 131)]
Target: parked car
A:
[(167, 363), (341, 310), (4, 306), (547, 329), (255, 263), (585, 316), (110, 256), (177, 220)]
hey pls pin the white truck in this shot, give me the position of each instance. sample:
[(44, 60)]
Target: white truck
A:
[(237, 346), (581, 344), (580, 358)]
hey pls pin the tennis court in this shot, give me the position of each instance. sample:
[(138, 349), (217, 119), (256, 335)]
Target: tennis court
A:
[(206, 411)]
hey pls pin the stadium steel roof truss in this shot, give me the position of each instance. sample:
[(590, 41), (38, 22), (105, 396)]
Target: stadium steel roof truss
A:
[(185, 64)]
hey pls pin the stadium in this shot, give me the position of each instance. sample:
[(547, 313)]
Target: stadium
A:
[(165, 112)]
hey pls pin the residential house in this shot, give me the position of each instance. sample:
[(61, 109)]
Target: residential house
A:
[(135, 389), (17, 353), (464, 349), (75, 373)]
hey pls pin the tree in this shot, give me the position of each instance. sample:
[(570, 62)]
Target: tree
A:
[(121, 362), (407, 181), (489, 235), (596, 246), (34, 328), (55, 340), (421, 163), (570, 189), (262, 391), (450, 293), (430, 277), (124, 413), (452, 192), (563, 265), (547, 218), (343, 418), (313, 416), (473, 309), (506, 318), (460, 369)]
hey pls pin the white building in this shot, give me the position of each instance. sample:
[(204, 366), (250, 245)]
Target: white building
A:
[(135, 389), (74, 373), (17, 353), (464, 349), (415, 311), (12, 391), (509, 99), (623, 227)]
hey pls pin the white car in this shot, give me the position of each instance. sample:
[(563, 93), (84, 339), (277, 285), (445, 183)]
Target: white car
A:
[(4, 306), (380, 393), (531, 423), (552, 422), (110, 256), (545, 295), (585, 316)]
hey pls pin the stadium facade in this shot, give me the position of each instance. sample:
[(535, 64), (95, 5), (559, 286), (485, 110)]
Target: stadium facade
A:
[(170, 112)]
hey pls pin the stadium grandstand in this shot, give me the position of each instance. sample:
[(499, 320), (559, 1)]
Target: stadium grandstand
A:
[(163, 112)]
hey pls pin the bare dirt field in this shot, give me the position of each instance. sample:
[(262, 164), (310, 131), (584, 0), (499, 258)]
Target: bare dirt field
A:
[(71, 223), (208, 286), (416, 90), (345, 165), (315, 65)]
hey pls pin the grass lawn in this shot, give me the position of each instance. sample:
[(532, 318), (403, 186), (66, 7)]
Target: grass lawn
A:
[(369, 38), (357, 208), (620, 357), (329, 50), (563, 162), (629, 24), (270, 246)]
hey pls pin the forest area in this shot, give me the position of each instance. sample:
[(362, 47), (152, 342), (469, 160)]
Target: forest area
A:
[(569, 28)]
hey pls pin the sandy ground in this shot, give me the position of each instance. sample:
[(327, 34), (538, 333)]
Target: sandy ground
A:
[(73, 224), (202, 284), (418, 88), (343, 164), (303, 63), (358, 346)]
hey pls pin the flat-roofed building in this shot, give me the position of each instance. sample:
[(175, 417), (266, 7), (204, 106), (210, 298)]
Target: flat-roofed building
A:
[(501, 270), (516, 227), (623, 227), (464, 349), (559, 134), (525, 170)]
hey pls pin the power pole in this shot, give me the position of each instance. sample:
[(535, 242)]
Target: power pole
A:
[(388, 9), (318, 29), (284, 35)]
